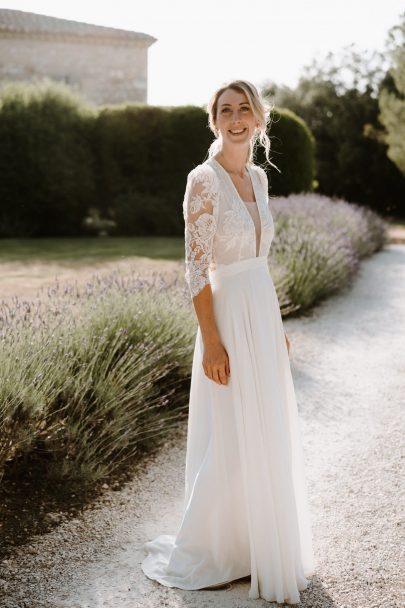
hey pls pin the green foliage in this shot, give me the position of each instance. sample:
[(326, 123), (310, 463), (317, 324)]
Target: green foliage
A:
[(47, 177), (137, 213), (351, 160), (127, 149), (124, 166), (392, 103), (293, 150), (88, 250)]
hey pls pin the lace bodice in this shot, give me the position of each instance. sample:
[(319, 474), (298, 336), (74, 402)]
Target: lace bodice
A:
[(218, 226)]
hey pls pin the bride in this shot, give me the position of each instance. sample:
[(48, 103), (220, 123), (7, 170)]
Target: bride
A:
[(245, 507)]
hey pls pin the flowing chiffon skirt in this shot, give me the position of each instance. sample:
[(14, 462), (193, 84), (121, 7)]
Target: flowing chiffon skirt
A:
[(245, 509)]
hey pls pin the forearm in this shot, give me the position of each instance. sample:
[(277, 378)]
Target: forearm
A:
[(203, 306)]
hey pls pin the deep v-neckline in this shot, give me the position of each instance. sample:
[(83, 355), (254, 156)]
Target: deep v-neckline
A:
[(242, 202), (233, 185)]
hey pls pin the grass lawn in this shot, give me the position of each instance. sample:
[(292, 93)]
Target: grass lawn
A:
[(395, 222), (89, 250)]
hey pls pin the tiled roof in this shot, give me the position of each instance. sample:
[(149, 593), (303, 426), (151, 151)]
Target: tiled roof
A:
[(22, 21)]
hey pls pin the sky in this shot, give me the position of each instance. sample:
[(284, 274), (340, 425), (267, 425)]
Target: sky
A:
[(202, 44)]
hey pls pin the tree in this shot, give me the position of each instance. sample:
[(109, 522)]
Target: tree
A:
[(338, 99), (392, 102)]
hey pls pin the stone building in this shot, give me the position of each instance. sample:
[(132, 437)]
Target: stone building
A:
[(104, 64)]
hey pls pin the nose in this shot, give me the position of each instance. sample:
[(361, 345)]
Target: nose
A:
[(236, 117)]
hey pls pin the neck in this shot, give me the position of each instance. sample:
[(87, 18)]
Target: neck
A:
[(233, 159)]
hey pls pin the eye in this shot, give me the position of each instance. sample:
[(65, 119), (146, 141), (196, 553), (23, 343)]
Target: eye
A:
[(246, 108), (225, 110)]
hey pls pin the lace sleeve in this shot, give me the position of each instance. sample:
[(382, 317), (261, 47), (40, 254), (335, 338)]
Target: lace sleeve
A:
[(200, 219)]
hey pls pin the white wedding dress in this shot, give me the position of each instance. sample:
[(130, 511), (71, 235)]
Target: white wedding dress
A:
[(245, 510)]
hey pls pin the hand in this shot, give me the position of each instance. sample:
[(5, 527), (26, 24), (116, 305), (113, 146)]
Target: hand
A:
[(216, 363), (287, 342)]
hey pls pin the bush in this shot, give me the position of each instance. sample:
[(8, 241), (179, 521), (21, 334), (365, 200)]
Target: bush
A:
[(92, 376), (293, 151), (47, 179), (60, 158), (319, 243), (138, 214)]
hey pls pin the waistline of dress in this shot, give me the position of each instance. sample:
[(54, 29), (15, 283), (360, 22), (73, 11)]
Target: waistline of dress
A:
[(222, 270)]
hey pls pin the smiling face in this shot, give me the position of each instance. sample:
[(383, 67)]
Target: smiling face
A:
[(235, 119)]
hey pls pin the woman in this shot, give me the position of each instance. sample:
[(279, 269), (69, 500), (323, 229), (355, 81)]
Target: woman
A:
[(245, 510)]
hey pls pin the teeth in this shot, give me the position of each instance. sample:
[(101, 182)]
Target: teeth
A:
[(235, 132)]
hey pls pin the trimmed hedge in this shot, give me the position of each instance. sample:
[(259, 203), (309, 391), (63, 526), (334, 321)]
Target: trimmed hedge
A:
[(61, 158), (293, 151), (47, 164)]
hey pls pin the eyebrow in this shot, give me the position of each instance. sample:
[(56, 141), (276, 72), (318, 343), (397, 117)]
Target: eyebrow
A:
[(241, 104)]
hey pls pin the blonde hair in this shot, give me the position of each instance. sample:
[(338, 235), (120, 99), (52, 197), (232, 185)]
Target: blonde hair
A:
[(261, 110)]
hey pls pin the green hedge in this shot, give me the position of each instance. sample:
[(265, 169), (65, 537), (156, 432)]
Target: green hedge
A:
[(60, 158), (47, 164), (293, 151)]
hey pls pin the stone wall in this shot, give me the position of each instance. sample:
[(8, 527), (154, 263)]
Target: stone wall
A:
[(102, 70)]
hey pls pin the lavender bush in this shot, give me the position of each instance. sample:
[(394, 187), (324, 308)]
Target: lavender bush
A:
[(89, 376), (318, 246)]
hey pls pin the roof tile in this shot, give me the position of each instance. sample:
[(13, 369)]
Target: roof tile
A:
[(22, 21)]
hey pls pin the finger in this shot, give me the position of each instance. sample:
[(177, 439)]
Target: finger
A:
[(222, 373), (208, 372), (223, 377), (214, 374), (227, 368)]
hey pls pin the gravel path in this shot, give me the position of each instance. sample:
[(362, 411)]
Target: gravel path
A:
[(348, 364)]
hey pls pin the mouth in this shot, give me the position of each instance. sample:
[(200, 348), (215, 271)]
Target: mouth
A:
[(236, 132)]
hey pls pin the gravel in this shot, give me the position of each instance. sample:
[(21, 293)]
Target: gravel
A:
[(348, 364)]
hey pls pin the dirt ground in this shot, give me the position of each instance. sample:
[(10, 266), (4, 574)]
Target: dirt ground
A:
[(28, 281), (396, 234)]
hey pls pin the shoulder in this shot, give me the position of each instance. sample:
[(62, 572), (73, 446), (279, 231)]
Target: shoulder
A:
[(205, 175), (201, 171), (261, 173)]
